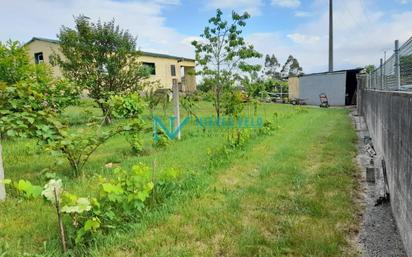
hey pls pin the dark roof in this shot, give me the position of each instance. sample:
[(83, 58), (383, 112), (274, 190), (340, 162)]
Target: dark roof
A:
[(55, 41), (166, 56), (327, 72)]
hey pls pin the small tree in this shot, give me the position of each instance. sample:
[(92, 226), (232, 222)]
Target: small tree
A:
[(101, 58), (370, 68), (222, 53), (29, 97)]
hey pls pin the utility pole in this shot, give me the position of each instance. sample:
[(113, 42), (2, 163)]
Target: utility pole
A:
[(330, 35), (381, 70)]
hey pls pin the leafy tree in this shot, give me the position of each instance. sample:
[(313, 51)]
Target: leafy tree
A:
[(101, 58), (14, 63), (222, 53), (253, 84), (272, 66), (233, 104), (205, 85), (370, 68), (29, 97), (291, 68), (276, 86)]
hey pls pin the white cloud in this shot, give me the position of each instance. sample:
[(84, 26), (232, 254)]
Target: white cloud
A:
[(251, 6), (303, 14), (25, 19), (303, 39), (286, 3)]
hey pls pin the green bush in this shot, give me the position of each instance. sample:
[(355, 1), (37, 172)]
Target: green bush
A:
[(120, 199)]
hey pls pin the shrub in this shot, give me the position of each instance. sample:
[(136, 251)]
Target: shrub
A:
[(119, 200)]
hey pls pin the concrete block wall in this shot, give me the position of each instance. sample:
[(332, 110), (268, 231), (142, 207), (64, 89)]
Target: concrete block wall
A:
[(388, 116)]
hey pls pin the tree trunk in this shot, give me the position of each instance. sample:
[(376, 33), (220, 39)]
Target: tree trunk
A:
[(218, 105), (2, 186), (106, 114)]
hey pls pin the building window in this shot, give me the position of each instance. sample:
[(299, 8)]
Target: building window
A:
[(173, 70), (38, 57), (151, 66)]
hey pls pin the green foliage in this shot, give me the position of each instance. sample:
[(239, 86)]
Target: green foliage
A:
[(370, 68), (291, 68), (29, 97), (223, 52), (154, 97), (162, 140), (16, 68), (267, 129), (276, 86), (405, 69), (15, 64), (135, 141), (238, 137), (78, 146), (253, 85), (235, 139), (22, 112), (233, 103), (25, 112), (126, 107), (129, 107), (188, 104), (120, 199), (101, 58), (27, 189), (272, 66), (204, 86)]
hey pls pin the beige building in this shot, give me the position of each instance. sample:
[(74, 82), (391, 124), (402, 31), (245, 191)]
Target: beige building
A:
[(166, 69), (293, 84)]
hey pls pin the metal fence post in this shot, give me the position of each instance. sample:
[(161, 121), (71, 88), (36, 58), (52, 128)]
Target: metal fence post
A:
[(369, 78), (397, 65), (381, 73)]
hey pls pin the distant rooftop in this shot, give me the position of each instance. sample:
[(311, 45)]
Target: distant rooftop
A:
[(55, 41)]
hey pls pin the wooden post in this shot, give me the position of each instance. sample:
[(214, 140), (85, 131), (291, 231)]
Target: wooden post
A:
[(60, 221), (2, 186), (176, 106)]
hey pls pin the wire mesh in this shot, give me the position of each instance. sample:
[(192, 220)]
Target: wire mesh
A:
[(394, 74), (405, 59)]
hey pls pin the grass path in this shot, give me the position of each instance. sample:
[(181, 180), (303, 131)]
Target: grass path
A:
[(290, 194)]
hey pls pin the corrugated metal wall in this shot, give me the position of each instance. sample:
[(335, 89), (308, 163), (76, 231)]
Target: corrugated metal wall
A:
[(332, 84)]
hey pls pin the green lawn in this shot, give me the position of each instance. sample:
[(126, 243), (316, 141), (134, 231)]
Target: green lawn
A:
[(290, 193)]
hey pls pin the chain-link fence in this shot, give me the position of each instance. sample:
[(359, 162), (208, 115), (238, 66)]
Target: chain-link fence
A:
[(394, 74)]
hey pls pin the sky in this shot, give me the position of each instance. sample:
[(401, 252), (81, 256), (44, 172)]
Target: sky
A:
[(363, 29)]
